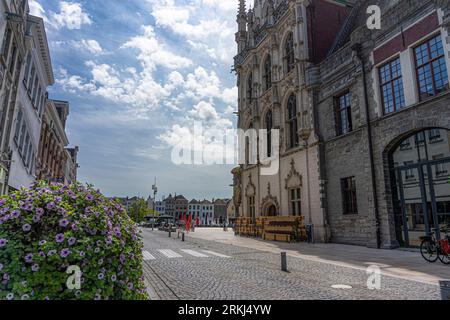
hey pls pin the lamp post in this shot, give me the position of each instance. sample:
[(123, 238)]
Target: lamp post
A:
[(155, 191)]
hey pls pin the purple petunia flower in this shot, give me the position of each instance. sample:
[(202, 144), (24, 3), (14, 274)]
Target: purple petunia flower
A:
[(72, 241), (59, 238), (29, 258), (26, 228), (3, 242), (82, 254), (100, 262), (6, 277), (89, 197), (35, 268), (40, 211), (65, 253), (25, 297), (97, 297), (63, 223), (1, 266), (2, 202), (130, 286), (113, 278), (101, 276), (42, 254), (10, 296), (15, 214), (36, 218), (51, 206), (58, 199), (41, 243), (51, 253)]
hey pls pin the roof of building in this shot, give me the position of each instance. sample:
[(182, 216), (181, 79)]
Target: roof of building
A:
[(42, 46)]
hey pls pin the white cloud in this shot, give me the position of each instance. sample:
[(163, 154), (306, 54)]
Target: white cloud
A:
[(91, 46), (36, 8), (71, 16), (153, 53)]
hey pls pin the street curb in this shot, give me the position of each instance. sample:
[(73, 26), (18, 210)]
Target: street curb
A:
[(150, 291)]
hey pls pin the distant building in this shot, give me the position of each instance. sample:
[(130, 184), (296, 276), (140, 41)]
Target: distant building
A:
[(72, 165), (194, 209), (161, 207), (181, 206), (52, 157), (206, 213), (220, 211)]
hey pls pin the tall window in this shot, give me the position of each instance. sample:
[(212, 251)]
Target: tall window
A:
[(267, 73), (269, 127), (289, 55), (296, 202), (391, 83), (349, 199), (432, 76), (292, 121), (344, 114), (18, 124), (250, 87), (251, 207), (6, 44)]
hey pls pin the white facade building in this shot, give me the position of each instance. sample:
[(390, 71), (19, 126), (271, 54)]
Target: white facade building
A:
[(31, 101)]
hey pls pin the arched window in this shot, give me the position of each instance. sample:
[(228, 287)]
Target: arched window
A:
[(268, 73), (289, 56), (292, 121), (269, 127), (250, 87)]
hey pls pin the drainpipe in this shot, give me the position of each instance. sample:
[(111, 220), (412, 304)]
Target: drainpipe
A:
[(357, 48)]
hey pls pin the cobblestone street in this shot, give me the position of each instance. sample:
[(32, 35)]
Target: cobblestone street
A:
[(201, 269)]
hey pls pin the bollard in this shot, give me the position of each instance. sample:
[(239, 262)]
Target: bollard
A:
[(445, 289), (170, 233), (182, 237), (284, 262)]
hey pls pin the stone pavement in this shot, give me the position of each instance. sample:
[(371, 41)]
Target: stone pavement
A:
[(401, 263), (208, 267)]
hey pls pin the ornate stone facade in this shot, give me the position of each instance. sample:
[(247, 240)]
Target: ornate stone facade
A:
[(347, 125), (276, 48)]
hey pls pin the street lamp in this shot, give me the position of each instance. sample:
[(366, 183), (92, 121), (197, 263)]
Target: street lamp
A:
[(155, 191)]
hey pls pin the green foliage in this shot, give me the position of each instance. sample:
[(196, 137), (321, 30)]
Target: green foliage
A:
[(138, 210), (48, 228)]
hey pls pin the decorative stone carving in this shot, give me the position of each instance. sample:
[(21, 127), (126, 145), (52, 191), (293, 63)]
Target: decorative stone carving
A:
[(294, 179)]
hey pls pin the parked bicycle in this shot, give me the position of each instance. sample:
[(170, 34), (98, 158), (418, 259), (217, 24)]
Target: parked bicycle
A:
[(433, 250)]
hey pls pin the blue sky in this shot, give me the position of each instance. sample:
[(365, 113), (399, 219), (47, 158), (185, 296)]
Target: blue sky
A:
[(137, 74)]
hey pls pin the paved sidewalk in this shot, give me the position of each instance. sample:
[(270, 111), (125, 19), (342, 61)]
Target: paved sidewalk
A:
[(396, 263)]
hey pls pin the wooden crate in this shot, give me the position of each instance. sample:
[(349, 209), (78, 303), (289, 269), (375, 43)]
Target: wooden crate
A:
[(277, 237)]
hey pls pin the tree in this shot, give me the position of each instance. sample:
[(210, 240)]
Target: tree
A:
[(139, 210)]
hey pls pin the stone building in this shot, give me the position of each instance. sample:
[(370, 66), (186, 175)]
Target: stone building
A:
[(32, 97), (384, 115), (376, 105), (13, 27), (278, 40)]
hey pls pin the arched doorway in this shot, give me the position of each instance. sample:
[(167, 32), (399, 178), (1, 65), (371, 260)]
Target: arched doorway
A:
[(272, 211), (420, 172)]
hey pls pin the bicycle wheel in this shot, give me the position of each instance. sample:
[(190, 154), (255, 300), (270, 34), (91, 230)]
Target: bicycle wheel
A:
[(444, 258), (429, 251)]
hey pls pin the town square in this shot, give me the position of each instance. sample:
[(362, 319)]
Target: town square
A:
[(245, 151)]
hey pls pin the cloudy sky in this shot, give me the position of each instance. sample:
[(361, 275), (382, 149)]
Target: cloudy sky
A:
[(138, 73)]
